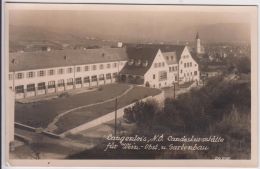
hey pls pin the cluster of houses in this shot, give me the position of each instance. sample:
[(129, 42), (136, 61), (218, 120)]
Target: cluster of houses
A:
[(156, 66)]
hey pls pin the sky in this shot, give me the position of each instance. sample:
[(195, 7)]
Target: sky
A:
[(130, 25)]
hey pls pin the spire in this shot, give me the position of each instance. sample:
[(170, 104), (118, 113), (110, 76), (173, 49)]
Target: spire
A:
[(197, 35)]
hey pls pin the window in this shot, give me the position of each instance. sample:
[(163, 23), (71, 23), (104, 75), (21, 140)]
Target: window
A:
[(176, 67), (19, 75), (176, 78), (181, 62), (60, 82), (155, 65), (162, 75), (101, 77), (195, 73), (94, 78), (86, 79), (41, 73), (181, 71), (190, 64), (60, 71), (69, 70), (78, 69), (170, 69), (30, 87), (171, 57), (10, 76), (94, 67), (153, 76), (108, 76), (101, 66), (41, 86), (167, 58), (162, 64), (30, 74), (184, 64), (145, 63), (131, 62), (115, 64), (70, 81), (86, 68), (78, 80), (51, 84), (159, 65), (108, 65), (190, 73), (19, 89), (51, 72), (114, 75)]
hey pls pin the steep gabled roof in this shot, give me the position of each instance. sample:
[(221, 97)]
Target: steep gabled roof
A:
[(142, 54), (171, 58), (147, 52), (59, 58), (177, 49)]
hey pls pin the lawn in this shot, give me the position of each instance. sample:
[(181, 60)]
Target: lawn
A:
[(84, 115), (40, 114)]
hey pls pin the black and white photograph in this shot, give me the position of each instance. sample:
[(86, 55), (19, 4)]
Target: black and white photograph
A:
[(130, 82)]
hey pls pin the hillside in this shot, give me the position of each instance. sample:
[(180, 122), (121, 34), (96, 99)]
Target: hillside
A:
[(28, 38)]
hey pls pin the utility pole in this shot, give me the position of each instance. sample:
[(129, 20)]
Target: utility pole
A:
[(115, 115), (174, 90), (74, 76)]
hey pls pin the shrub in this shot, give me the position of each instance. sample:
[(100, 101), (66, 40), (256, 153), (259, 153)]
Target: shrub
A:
[(142, 113)]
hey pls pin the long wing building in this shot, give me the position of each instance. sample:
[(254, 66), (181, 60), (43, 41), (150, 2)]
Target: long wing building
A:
[(52, 71)]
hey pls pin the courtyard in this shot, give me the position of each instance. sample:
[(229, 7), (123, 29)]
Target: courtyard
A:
[(84, 106)]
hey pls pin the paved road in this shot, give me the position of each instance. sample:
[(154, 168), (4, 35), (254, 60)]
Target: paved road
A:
[(48, 147), (52, 148), (169, 92)]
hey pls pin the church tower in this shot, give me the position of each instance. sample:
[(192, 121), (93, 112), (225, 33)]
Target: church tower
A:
[(198, 46)]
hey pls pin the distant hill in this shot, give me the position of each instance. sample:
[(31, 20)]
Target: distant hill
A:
[(29, 38), (226, 32), (221, 32)]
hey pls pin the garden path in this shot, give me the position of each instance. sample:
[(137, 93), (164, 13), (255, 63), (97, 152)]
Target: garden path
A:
[(51, 127)]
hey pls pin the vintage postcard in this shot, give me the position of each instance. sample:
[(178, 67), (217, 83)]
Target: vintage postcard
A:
[(149, 85)]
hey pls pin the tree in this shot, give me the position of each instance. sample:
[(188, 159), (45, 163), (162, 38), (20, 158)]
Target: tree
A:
[(142, 113), (243, 65)]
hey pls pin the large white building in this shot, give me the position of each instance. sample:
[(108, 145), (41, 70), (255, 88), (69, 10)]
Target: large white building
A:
[(43, 72), (160, 66)]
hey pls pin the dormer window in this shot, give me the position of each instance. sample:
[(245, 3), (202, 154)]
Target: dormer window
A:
[(167, 58), (138, 62), (131, 62), (145, 63)]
